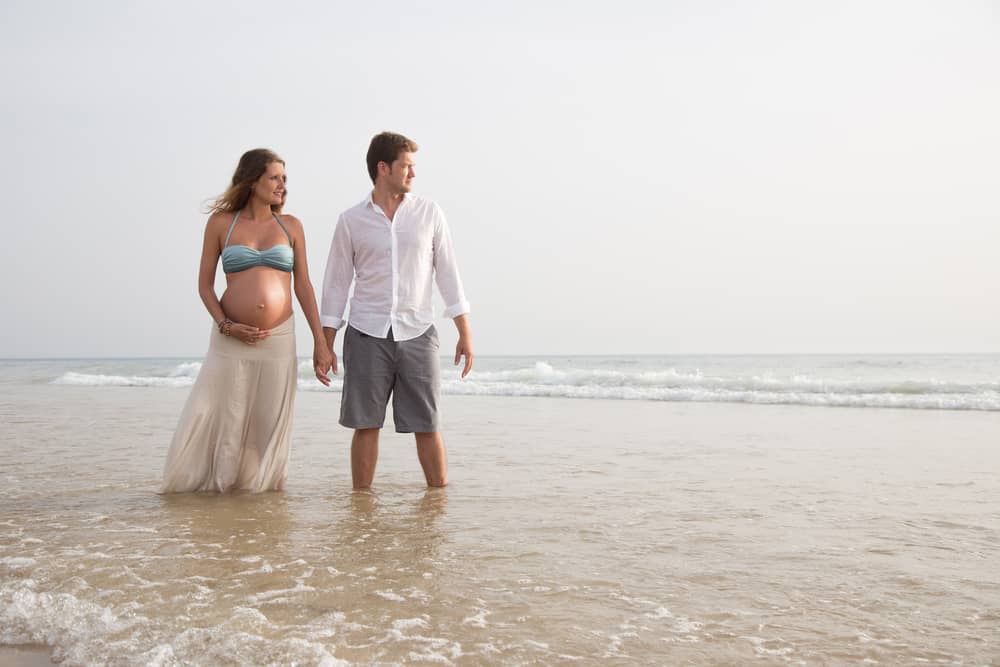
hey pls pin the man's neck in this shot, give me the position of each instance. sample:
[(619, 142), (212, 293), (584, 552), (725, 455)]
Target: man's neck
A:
[(387, 200)]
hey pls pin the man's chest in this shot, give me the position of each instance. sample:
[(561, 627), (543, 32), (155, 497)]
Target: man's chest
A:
[(374, 237)]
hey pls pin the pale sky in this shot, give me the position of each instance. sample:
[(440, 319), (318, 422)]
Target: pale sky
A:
[(619, 177)]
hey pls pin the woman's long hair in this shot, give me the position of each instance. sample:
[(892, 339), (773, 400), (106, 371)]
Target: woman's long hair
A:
[(252, 166)]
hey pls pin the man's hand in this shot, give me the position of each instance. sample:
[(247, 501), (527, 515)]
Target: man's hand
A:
[(325, 359), (464, 348)]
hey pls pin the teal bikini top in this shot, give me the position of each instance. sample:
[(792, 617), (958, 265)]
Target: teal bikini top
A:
[(236, 258)]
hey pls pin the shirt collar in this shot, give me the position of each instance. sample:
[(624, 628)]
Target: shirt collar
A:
[(370, 202)]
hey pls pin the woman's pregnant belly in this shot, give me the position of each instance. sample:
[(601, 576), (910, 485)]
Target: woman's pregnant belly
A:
[(260, 297)]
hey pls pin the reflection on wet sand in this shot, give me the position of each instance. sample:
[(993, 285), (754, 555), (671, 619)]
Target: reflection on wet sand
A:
[(393, 535), (232, 526), (360, 531)]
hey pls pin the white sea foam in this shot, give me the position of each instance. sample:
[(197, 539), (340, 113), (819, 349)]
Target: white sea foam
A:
[(761, 646), (222, 646), (389, 595), (281, 594), (741, 381), (57, 619), (544, 380), (100, 380), (407, 623), (710, 391), (246, 619), (678, 624), (435, 649), (477, 620), (81, 632), (265, 568), (190, 369), (429, 656), (16, 563)]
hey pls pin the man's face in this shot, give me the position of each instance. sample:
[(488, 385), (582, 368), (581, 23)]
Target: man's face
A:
[(401, 173)]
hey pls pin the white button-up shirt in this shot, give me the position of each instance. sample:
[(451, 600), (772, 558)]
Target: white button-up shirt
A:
[(393, 264)]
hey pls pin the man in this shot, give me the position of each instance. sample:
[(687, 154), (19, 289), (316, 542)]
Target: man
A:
[(392, 246)]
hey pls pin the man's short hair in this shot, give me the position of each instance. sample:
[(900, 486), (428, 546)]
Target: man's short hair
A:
[(386, 147)]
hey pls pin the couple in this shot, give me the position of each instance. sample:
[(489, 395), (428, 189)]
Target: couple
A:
[(235, 429)]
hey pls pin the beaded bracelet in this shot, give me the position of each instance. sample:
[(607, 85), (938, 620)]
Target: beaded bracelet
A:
[(225, 327)]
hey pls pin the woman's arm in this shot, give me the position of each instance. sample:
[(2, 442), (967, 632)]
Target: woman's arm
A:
[(210, 253), (323, 357)]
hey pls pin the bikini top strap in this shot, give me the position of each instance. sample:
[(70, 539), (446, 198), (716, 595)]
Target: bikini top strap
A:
[(235, 218), (289, 236)]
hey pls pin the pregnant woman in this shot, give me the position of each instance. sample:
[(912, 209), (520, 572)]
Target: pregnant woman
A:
[(235, 429)]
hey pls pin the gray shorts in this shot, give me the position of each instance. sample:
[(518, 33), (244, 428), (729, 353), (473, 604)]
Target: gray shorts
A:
[(374, 368)]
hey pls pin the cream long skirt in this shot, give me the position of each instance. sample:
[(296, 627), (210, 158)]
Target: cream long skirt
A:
[(236, 428)]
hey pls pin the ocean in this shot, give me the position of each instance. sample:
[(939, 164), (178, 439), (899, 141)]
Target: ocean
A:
[(641, 510), (920, 382)]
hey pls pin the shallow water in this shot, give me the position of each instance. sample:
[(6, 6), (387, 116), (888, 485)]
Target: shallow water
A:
[(599, 532)]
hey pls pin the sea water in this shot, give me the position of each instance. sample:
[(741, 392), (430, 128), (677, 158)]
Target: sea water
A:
[(725, 512), (959, 382)]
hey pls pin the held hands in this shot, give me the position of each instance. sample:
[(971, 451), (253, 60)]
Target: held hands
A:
[(323, 360), (464, 348)]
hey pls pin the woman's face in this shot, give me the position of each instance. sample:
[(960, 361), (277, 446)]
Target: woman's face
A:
[(270, 187)]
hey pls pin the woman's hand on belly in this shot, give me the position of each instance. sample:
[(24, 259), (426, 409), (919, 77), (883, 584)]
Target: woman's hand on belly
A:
[(248, 334)]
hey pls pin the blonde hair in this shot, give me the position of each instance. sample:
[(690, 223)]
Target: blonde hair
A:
[(252, 166)]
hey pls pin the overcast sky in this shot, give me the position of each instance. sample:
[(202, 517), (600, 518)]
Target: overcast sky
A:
[(619, 177)]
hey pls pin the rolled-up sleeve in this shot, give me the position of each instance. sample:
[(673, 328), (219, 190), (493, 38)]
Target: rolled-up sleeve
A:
[(338, 278), (446, 270)]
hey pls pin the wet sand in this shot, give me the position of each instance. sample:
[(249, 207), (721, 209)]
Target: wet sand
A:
[(25, 656)]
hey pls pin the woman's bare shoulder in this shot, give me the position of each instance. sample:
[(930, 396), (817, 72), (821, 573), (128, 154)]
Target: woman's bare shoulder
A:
[(291, 222), (219, 219)]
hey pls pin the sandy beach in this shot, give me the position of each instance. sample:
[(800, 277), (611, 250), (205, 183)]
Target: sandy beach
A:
[(574, 532)]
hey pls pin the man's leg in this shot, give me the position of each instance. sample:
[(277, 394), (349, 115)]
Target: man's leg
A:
[(369, 368), (364, 456), (415, 399), (433, 458)]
